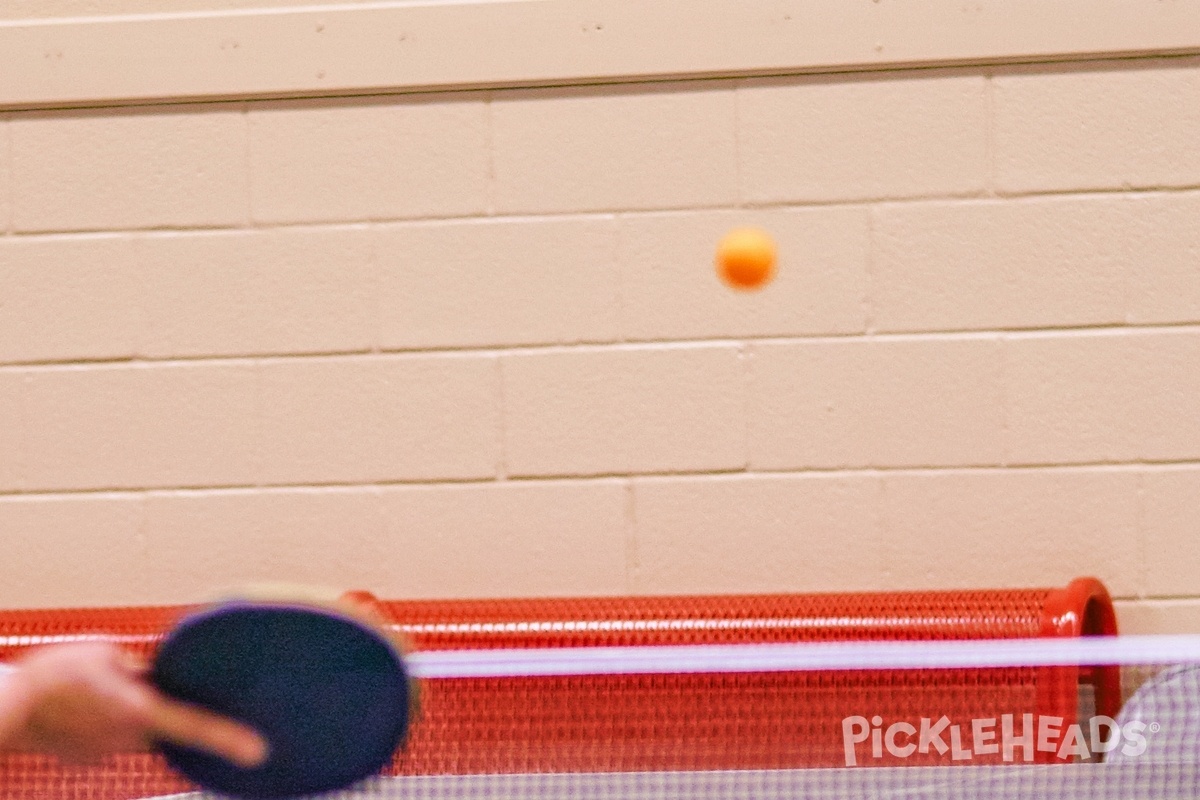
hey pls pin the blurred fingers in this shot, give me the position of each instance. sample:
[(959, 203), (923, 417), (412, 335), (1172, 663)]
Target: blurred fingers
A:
[(194, 727)]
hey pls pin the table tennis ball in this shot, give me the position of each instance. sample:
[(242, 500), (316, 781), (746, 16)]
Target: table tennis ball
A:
[(746, 258)]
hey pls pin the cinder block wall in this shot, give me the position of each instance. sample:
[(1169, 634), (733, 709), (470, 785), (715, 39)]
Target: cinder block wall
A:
[(472, 344)]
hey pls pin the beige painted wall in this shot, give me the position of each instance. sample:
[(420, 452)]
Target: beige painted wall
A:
[(471, 343)]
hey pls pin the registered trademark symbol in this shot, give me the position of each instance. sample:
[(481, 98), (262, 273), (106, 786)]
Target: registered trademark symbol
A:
[(1155, 727)]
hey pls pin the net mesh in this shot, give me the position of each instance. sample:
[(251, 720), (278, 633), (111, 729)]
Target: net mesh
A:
[(656, 710)]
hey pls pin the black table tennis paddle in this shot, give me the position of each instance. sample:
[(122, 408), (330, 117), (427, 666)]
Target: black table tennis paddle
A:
[(326, 687)]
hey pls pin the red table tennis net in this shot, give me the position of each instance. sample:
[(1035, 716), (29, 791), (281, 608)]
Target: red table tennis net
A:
[(627, 723)]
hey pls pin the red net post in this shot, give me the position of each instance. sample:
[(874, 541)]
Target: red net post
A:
[(634, 723)]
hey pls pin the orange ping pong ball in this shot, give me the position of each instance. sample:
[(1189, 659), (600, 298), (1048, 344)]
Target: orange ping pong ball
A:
[(746, 258)]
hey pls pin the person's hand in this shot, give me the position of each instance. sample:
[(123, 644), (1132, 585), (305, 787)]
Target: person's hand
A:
[(81, 701)]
